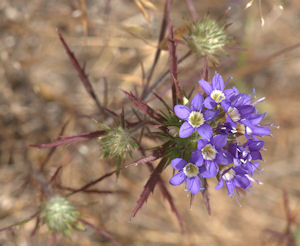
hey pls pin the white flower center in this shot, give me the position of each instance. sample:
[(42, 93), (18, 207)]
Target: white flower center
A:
[(191, 170), (234, 114), (196, 119), (209, 152), (217, 95), (229, 175)]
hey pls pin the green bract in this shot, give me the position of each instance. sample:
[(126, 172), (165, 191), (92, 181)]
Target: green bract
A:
[(207, 37), (117, 142), (60, 215)]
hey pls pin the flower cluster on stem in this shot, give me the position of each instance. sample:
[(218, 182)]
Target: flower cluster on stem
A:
[(229, 133)]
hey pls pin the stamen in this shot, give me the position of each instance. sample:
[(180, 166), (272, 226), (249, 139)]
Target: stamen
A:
[(217, 95), (263, 99)]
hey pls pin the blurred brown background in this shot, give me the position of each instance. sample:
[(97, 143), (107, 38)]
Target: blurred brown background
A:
[(40, 90)]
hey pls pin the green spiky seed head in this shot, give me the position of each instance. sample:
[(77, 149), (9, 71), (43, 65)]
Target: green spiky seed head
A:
[(207, 37), (116, 143), (60, 215)]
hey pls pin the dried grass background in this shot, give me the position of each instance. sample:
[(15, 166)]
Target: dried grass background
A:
[(40, 90)]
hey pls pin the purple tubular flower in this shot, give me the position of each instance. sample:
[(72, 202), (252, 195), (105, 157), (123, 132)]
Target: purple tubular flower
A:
[(251, 167), (195, 119), (226, 129), (239, 108), (245, 155), (234, 177), (247, 152), (210, 152), (216, 93), (253, 127), (242, 116), (188, 172)]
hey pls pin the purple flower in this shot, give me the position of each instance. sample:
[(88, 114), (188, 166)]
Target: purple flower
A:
[(216, 93), (239, 108), (226, 129), (252, 126), (247, 152), (234, 177), (210, 152), (245, 155), (220, 151), (195, 119), (188, 172), (242, 116), (251, 167)]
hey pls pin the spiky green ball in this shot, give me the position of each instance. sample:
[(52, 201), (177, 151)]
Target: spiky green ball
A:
[(60, 215), (207, 37), (116, 143)]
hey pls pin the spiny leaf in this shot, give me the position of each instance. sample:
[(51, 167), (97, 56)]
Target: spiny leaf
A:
[(161, 78), (70, 139), (163, 28), (163, 101), (145, 107), (176, 91), (101, 231), (85, 187), (155, 155), (51, 151), (81, 72), (20, 223), (166, 194), (149, 187), (94, 191), (36, 227)]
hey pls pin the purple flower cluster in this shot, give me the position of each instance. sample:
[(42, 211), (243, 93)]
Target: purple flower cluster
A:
[(227, 129)]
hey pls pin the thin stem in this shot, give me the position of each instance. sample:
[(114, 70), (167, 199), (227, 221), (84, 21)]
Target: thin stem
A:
[(163, 76), (101, 231)]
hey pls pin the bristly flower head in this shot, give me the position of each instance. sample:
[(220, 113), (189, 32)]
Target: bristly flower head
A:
[(60, 215), (117, 142), (207, 37)]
